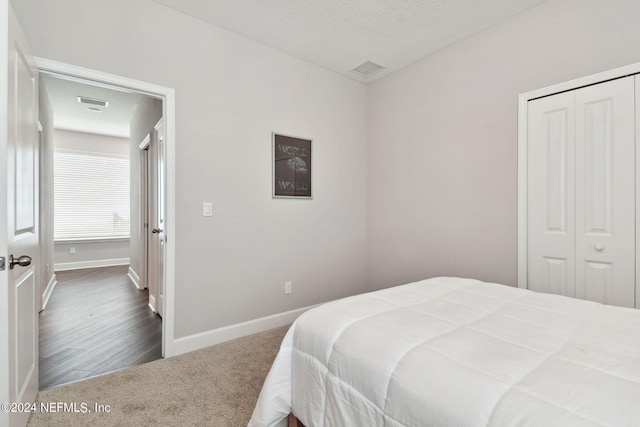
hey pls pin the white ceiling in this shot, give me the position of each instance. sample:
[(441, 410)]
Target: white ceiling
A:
[(335, 34), (70, 114), (341, 34)]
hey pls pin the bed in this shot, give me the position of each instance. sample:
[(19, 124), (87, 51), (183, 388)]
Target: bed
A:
[(456, 352)]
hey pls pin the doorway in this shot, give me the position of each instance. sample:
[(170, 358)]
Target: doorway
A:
[(164, 300)]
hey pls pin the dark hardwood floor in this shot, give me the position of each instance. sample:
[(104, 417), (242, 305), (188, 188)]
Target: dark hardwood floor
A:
[(96, 322)]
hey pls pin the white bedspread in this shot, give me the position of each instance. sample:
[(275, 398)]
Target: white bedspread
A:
[(457, 352)]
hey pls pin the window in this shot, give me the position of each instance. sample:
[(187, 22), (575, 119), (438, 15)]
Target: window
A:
[(91, 195)]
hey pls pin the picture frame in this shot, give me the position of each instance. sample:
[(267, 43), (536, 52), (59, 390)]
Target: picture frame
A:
[(291, 166)]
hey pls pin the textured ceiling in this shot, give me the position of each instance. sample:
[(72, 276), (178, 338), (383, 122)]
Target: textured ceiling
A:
[(341, 34), (70, 114)]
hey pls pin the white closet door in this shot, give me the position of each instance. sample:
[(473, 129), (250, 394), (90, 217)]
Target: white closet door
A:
[(551, 174), (605, 192)]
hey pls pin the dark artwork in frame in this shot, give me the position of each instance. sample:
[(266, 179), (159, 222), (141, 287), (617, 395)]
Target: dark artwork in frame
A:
[(291, 166)]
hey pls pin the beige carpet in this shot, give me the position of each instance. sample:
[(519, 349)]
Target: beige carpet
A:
[(216, 386)]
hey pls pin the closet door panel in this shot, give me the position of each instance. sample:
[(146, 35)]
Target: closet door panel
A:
[(550, 211), (605, 192)]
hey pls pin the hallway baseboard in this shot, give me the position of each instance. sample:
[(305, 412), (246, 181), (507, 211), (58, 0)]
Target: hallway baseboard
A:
[(64, 266), (48, 290), (135, 279)]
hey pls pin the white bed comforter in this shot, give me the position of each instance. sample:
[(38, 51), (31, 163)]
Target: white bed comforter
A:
[(457, 352)]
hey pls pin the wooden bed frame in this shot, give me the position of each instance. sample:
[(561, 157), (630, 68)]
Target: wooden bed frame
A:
[(294, 422)]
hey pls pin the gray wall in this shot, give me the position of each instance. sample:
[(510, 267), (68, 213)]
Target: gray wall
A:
[(442, 188), (231, 93), (98, 252), (149, 112)]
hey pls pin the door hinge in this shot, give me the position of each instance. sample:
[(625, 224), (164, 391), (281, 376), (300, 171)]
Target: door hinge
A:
[(2, 262)]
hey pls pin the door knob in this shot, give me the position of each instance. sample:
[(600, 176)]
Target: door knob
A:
[(22, 261), (598, 247), (156, 230)]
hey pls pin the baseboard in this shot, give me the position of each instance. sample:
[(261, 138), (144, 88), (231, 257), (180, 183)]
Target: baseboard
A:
[(90, 264), (135, 279), (239, 330), (48, 290), (152, 303)]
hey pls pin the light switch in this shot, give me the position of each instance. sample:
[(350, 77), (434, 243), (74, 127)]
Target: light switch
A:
[(207, 209)]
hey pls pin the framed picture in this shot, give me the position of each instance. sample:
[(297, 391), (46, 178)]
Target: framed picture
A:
[(291, 166)]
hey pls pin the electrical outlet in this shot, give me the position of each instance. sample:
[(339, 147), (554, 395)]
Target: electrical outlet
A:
[(72, 251), (288, 288)]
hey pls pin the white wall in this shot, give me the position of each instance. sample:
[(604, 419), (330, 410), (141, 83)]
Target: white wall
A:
[(95, 253), (442, 188), (231, 93)]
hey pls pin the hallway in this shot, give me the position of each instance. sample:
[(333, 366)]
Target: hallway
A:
[(96, 322)]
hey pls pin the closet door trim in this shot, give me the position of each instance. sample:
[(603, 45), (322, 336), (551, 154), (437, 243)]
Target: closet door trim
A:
[(523, 114), (637, 112)]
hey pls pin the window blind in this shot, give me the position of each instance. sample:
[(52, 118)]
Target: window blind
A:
[(91, 195)]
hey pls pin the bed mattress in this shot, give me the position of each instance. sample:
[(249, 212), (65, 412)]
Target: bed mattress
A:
[(457, 352)]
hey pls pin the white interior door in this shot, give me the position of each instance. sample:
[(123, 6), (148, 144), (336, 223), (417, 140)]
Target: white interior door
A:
[(160, 213), (18, 301), (153, 228), (144, 212), (156, 212), (551, 207), (605, 192)]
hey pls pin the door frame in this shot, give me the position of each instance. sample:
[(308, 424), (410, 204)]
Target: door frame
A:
[(147, 184), (168, 113), (143, 282), (523, 132)]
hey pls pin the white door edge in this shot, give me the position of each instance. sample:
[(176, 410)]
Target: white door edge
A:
[(4, 283)]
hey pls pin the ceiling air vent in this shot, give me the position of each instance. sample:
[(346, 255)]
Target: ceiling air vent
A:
[(92, 101), (368, 68)]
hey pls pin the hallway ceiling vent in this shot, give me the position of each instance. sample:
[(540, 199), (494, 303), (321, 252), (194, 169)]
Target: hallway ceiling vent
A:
[(368, 68), (92, 101)]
